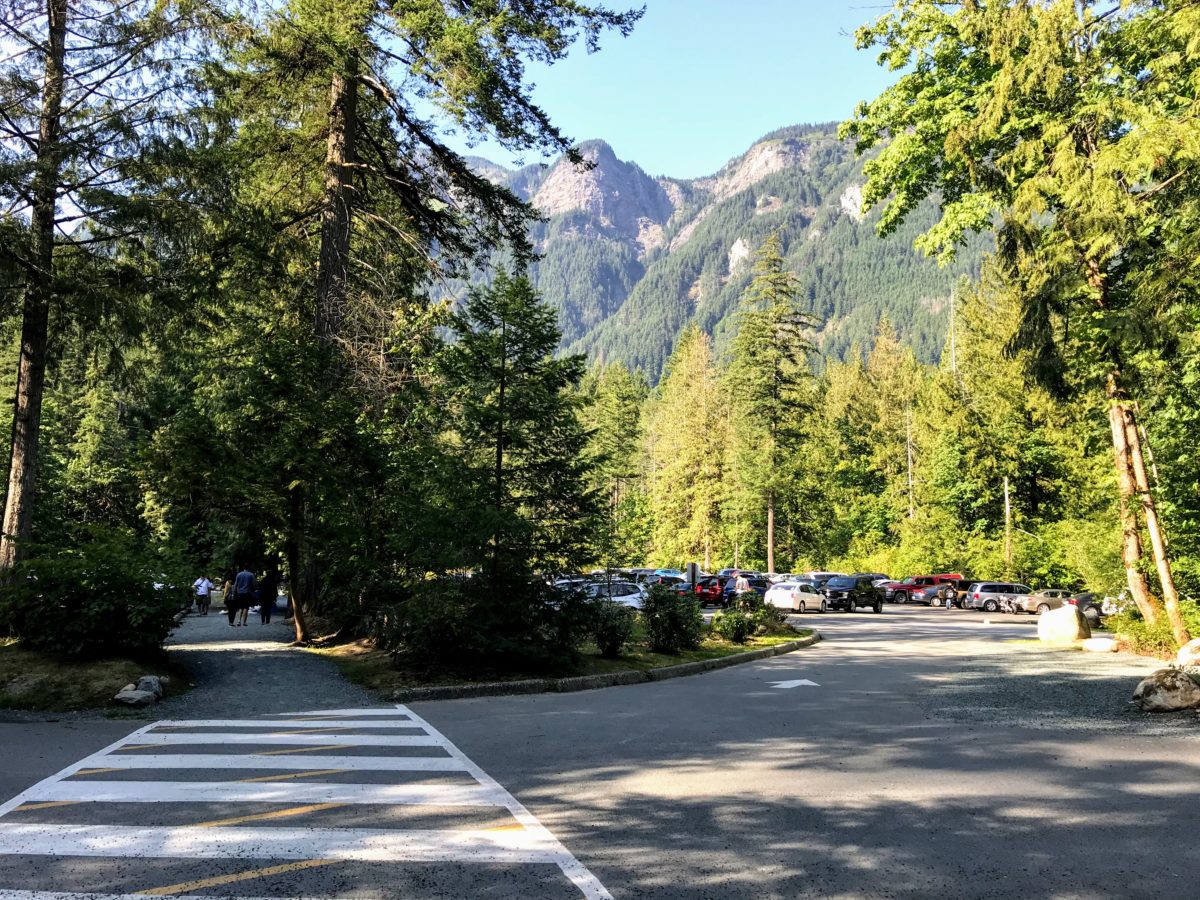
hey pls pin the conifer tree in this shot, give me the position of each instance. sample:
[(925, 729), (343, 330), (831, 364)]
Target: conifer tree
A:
[(770, 385)]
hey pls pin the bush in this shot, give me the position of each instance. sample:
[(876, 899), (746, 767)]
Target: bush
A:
[(105, 597), (1157, 639), (471, 623), (749, 602), (768, 618), (733, 626), (612, 624), (673, 622)]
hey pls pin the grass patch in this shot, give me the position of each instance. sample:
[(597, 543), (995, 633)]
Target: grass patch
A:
[(364, 664), (48, 682)]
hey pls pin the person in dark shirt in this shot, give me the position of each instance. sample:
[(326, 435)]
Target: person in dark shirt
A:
[(243, 596), (268, 588)]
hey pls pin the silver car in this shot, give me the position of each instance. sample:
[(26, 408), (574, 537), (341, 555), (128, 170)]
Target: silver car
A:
[(1040, 601), (991, 596)]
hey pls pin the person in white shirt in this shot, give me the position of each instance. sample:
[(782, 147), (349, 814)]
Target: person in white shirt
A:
[(203, 588)]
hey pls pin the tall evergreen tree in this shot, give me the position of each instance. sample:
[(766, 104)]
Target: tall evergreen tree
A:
[(770, 382)]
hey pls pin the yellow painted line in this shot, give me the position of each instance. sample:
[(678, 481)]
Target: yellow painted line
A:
[(278, 814), (188, 887), (304, 749), (137, 746), (290, 776), (96, 771), (516, 826), (31, 806)]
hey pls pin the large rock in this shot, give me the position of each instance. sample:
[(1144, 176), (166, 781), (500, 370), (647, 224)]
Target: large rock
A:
[(1166, 691), (1062, 627), (151, 683), (1100, 645), (131, 696), (1189, 654)]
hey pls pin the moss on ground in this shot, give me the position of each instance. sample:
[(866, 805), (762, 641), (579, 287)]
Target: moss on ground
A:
[(36, 681), (364, 664)]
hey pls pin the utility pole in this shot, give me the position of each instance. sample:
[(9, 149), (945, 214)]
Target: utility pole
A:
[(1007, 531)]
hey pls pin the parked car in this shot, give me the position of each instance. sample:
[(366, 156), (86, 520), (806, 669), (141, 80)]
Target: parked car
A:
[(710, 591), (956, 590), (934, 595), (902, 591), (848, 593), (759, 585), (1092, 607), (798, 596), (626, 593), (989, 596), (1039, 601), (674, 573), (820, 578), (876, 577)]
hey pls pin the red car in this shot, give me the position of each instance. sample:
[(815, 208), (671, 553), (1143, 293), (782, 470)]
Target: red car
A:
[(710, 591), (904, 591)]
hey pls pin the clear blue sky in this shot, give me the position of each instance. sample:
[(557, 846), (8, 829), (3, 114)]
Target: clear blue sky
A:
[(699, 80)]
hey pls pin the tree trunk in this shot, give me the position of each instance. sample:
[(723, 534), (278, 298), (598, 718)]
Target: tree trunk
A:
[(292, 551), (1131, 541), (31, 369), (333, 268), (1158, 541), (771, 533), (498, 475)]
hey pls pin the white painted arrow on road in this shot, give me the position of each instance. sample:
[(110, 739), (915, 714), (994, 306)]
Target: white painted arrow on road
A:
[(799, 682)]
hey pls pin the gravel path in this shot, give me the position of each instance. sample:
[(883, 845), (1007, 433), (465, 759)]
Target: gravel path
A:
[(241, 672)]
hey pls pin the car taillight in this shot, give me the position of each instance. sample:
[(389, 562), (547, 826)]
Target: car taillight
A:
[(1071, 600)]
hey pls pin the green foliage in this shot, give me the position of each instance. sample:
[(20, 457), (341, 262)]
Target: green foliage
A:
[(106, 596), (1156, 639), (475, 623), (733, 625), (673, 622), (612, 625)]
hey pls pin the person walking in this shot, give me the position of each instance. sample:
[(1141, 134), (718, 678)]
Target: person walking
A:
[(203, 588), (268, 589), (243, 596)]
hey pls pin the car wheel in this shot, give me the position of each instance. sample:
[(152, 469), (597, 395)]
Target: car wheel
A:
[(901, 596), (990, 606), (824, 606), (1093, 617), (1042, 608), (878, 607)]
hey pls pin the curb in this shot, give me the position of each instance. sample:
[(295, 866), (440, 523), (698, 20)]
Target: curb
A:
[(592, 682)]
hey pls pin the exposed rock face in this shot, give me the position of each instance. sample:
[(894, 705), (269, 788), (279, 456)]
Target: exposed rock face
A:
[(1063, 627), (619, 195), (1189, 654), (851, 202), (757, 163), (738, 254), (1167, 690)]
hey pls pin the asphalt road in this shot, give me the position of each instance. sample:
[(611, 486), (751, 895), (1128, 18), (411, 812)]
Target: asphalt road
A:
[(933, 756)]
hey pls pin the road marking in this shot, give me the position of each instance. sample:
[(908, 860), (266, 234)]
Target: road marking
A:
[(289, 776), (257, 792), (12, 894), (276, 724), (526, 840), (169, 738), (219, 880), (277, 814), (799, 682), (362, 844), (265, 761), (30, 807)]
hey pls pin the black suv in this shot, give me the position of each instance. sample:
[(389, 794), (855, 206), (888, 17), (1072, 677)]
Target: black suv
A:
[(849, 593)]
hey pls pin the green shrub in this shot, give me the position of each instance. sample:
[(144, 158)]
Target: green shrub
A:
[(749, 602), (673, 622), (768, 618), (471, 623), (733, 625), (107, 596), (1153, 640), (612, 624)]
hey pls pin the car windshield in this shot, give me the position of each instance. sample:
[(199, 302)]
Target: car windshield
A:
[(840, 582)]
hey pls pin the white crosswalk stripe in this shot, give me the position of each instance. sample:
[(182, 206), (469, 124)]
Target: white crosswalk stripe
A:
[(154, 749)]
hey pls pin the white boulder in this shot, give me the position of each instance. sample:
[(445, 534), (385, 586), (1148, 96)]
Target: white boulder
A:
[(152, 684), (1166, 691), (1189, 654), (1100, 645), (131, 696), (1062, 627)]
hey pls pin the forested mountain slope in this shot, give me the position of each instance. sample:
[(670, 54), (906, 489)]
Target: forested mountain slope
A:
[(630, 260)]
